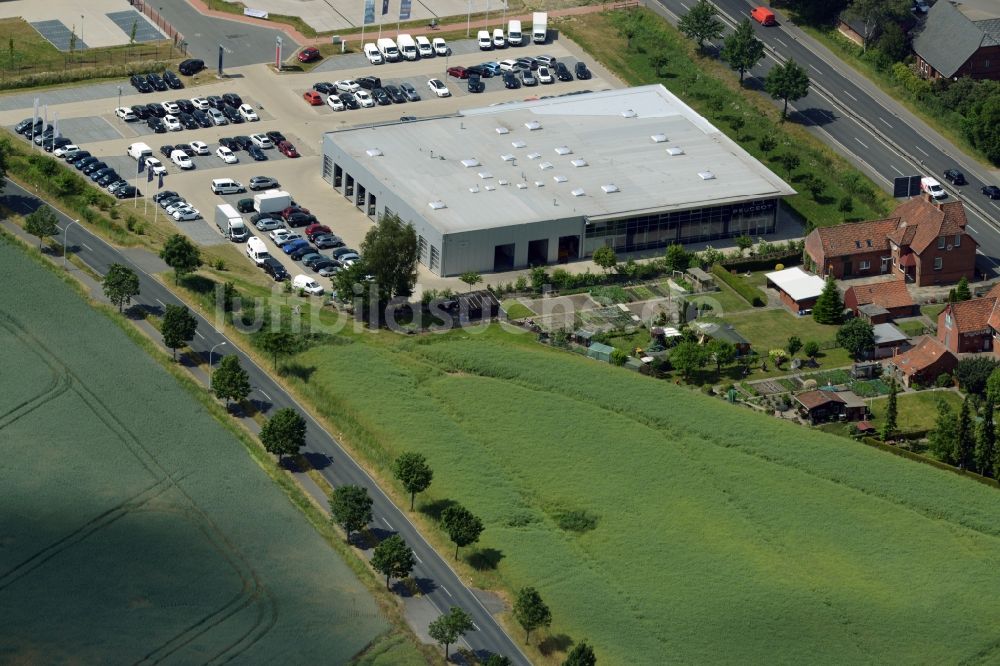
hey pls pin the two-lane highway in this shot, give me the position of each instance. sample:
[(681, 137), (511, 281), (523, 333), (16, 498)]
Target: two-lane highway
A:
[(440, 584)]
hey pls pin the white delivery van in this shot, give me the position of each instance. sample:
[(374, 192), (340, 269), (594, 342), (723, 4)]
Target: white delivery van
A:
[(441, 47), (307, 284), (227, 186), (256, 250), (424, 47), (373, 54), (230, 223), (272, 201), (137, 150), (933, 188), (514, 33), (539, 27), (407, 47), (388, 49), (499, 40), (485, 41)]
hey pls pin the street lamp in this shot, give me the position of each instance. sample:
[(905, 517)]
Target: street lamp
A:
[(119, 97), (65, 236), (210, 352), (81, 27)]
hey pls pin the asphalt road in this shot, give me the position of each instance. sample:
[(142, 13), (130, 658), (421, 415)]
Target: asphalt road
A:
[(847, 116), (438, 581)]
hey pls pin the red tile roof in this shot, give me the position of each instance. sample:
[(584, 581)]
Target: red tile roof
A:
[(973, 315), (926, 352), (931, 219), (851, 238), (889, 295), (994, 290)]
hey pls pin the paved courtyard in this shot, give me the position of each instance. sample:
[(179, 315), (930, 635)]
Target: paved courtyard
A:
[(326, 15), (95, 22)]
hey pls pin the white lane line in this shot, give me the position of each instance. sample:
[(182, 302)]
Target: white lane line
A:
[(264, 394), (815, 69), (445, 590), (896, 170), (851, 96), (922, 150), (685, 6), (476, 627), (417, 558), (86, 246), (387, 524), (781, 42), (160, 302), (885, 121), (859, 141), (971, 229), (198, 333)]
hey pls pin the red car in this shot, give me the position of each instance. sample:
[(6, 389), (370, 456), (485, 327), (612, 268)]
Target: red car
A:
[(312, 98), (316, 229), (287, 149), (309, 54), (293, 209), (458, 72)]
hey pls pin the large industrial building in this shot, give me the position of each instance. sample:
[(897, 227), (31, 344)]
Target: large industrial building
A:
[(530, 183)]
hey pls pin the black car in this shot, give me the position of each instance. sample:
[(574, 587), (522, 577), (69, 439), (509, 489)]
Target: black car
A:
[(167, 149), (140, 111), (107, 177), (298, 219), (992, 191), (562, 72), (274, 268), (349, 101), (232, 115), (233, 100), (92, 167), (23, 125), (75, 156), (185, 105), (262, 183), (202, 118), (140, 83), (244, 205), (256, 153), (84, 162), (99, 173), (369, 82), (163, 194), (480, 71), (582, 72), (242, 142), (127, 192), (156, 110), (955, 177), (528, 62), (215, 102), (302, 251), (172, 80), (166, 201), (381, 97), (52, 144), (324, 87), (395, 94), (276, 137), (187, 120), (156, 125), (191, 67), (116, 185), (476, 84), (229, 143), (511, 81), (155, 81)]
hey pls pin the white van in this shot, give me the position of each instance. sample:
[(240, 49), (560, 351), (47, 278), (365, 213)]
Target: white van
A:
[(407, 47), (514, 33), (485, 41), (227, 186), (933, 188), (424, 47), (137, 150), (307, 284), (388, 49), (373, 54), (441, 47), (499, 41), (256, 250)]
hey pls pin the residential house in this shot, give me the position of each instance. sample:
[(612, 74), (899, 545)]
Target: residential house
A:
[(922, 364), (797, 289), (880, 302), (955, 41), (924, 242), (970, 326), (827, 405), (711, 330)]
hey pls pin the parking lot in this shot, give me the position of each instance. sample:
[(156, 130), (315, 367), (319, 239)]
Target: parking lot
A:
[(279, 103)]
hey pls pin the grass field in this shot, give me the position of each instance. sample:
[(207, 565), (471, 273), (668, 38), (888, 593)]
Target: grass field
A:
[(720, 535), (135, 527), (917, 411), (770, 329)]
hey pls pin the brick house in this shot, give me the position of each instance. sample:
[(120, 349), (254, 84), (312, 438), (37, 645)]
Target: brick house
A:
[(923, 242), (957, 41), (880, 302), (928, 359), (971, 326)]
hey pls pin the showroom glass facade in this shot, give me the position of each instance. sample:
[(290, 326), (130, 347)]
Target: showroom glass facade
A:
[(643, 232)]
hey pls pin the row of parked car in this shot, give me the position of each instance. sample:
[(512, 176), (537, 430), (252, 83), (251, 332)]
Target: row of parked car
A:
[(527, 71), (176, 206), (211, 111), (153, 81), (255, 145), (363, 92)]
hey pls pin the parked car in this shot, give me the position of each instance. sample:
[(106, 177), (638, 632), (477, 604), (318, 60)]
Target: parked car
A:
[(156, 165), (335, 103), (242, 142), (458, 72), (199, 147), (490, 69), (226, 155), (202, 118), (263, 183), (955, 177), (395, 94), (191, 66), (349, 101), (309, 54), (409, 92), (186, 214), (373, 54), (187, 121), (510, 80), (156, 82), (528, 78), (256, 154), (544, 75), (581, 71), (170, 107), (233, 100), (508, 65), (302, 252), (440, 46), (438, 88), (275, 136), (562, 72), (163, 194), (324, 87), (181, 159), (478, 70), (232, 115), (364, 99), (269, 223), (312, 98), (275, 269), (381, 97), (287, 149), (248, 113), (261, 141), (369, 82), (156, 125), (185, 105), (316, 229), (140, 83), (140, 111), (126, 113), (245, 205), (200, 103), (348, 85), (173, 123), (291, 246), (546, 60), (60, 151), (218, 118), (307, 284), (992, 191), (216, 102), (127, 192), (300, 219), (476, 84), (172, 80), (327, 241), (165, 150)]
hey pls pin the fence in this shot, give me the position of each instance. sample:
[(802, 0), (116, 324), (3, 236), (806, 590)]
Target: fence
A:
[(15, 66), (161, 23)]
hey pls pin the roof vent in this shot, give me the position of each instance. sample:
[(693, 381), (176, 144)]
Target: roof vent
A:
[(579, 163), (658, 138), (563, 150), (374, 152), (522, 186), (545, 165), (674, 151), (518, 144), (629, 113), (533, 125), (490, 188), (503, 130), (539, 183), (534, 156), (609, 188), (437, 205), (578, 192), (471, 162), (503, 181), (706, 175), (559, 179), (507, 157), (474, 189), (485, 175)]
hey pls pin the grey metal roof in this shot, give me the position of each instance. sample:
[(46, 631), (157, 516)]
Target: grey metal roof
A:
[(519, 172), (948, 38), (887, 334)]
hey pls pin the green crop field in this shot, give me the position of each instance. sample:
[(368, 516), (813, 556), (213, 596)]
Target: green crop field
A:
[(134, 527), (718, 535)]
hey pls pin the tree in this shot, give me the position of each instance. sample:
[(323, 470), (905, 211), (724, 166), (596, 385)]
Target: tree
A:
[(230, 382), (767, 143), (982, 125), (856, 336), (181, 255), (701, 23), (891, 413), (605, 257), (790, 161), (811, 349), (965, 439), (390, 255), (962, 291), (393, 558), (178, 327), (284, 433), (471, 278), (986, 439), (943, 439), (530, 611), (829, 307), (815, 185), (894, 43), (992, 384), (629, 27), (873, 14), (581, 655), (659, 59), (618, 357), (817, 12), (676, 257), (742, 50), (278, 343), (351, 508), (450, 627), (41, 222), (687, 357), (722, 352), (462, 526), (787, 82), (744, 243), (412, 470), (72, 40), (120, 285), (132, 31), (794, 345), (974, 375), (497, 660)]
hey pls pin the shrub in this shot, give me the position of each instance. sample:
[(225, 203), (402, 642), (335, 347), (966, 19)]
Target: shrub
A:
[(943, 380), (577, 520), (618, 357), (752, 294)]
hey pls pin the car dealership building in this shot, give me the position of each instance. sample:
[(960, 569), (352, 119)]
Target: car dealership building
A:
[(539, 182)]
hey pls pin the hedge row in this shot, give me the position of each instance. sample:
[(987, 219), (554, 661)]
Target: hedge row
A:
[(85, 74), (762, 263), (752, 294)]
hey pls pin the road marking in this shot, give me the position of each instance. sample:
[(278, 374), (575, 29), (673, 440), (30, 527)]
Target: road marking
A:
[(885, 121), (781, 42), (476, 627), (896, 170), (264, 394), (445, 590), (851, 96), (685, 6), (815, 69), (859, 141), (926, 154), (417, 558), (86, 246), (387, 524), (971, 229), (160, 302), (198, 333)]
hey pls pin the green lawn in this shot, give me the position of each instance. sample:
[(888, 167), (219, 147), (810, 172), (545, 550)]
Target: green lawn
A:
[(932, 311), (917, 411), (723, 302), (515, 310), (770, 329), (720, 535), (912, 327)]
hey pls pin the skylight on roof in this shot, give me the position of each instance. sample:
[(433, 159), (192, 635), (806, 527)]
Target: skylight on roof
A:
[(545, 165), (579, 163), (559, 179), (674, 151), (706, 175), (539, 183), (609, 188), (503, 130), (533, 125), (563, 150), (485, 175), (658, 138), (490, 188), (437, 205), (474, 189), (629, 113), (534, 156), (518, 144), (578, 192), (522, 186), (507, 157), (502, 181), (470, 162), (373, 152)]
